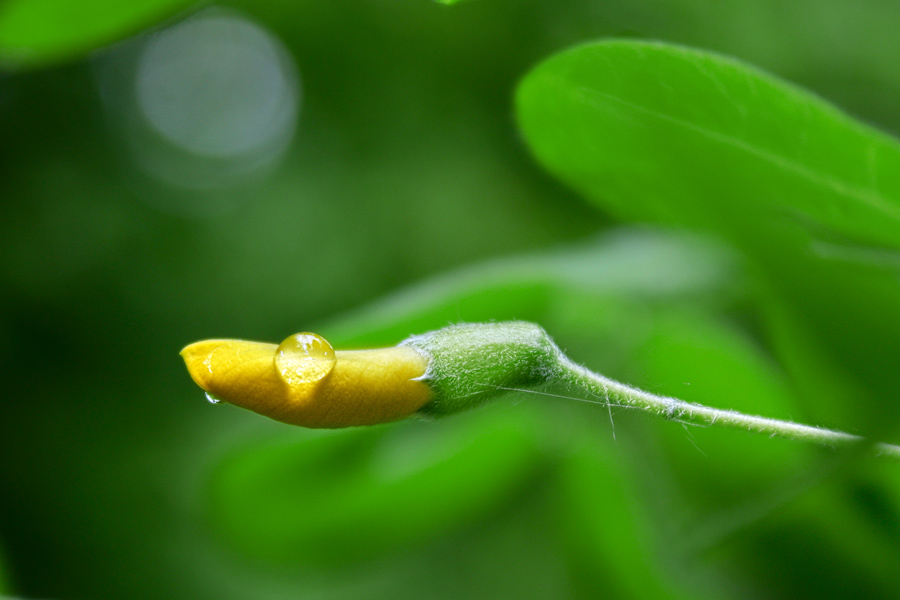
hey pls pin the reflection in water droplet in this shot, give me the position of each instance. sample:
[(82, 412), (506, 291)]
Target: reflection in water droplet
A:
[(304, 358), (212, 399)]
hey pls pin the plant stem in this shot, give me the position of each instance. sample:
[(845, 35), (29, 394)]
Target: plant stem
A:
[(697, 414)]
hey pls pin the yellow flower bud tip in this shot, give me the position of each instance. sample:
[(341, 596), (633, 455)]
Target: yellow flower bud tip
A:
[(304, 381)]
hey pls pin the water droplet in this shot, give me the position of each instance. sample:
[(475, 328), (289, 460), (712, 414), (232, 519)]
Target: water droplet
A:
[(213, 399), (304, 358)]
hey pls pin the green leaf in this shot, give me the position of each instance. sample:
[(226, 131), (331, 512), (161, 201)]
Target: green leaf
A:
[(624, 264), (610, 543), (688, 137), (339, 498), (40, 32), (660, 133), (844, 528)]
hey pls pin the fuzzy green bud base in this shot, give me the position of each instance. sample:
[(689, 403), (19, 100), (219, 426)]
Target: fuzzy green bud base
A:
[(473, 363), (470, 364)]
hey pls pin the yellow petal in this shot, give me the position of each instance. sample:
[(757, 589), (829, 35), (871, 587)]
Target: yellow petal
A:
[(365, 387)]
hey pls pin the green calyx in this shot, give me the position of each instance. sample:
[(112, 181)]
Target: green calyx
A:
[(472, 363)]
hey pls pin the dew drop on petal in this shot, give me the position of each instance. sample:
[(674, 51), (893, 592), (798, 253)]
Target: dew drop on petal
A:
[(212, 399), (304, 358)]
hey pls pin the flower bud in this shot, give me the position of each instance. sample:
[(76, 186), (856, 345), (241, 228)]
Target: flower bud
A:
[(305, 382)]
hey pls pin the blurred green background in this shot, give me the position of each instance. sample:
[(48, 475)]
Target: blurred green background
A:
[(172, 172)]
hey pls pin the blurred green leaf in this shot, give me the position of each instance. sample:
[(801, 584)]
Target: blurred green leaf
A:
[(651, 265), (357, 494), (655, 132), (39, 32), (840, 537), (610, 556)]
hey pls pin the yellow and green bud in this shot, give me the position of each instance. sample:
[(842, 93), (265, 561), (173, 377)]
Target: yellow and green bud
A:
[(304, 381)]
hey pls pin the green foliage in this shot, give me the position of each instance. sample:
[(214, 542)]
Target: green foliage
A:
[(661, 132), (400, 488), (658, 133), (406, 202), (38, 32)]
